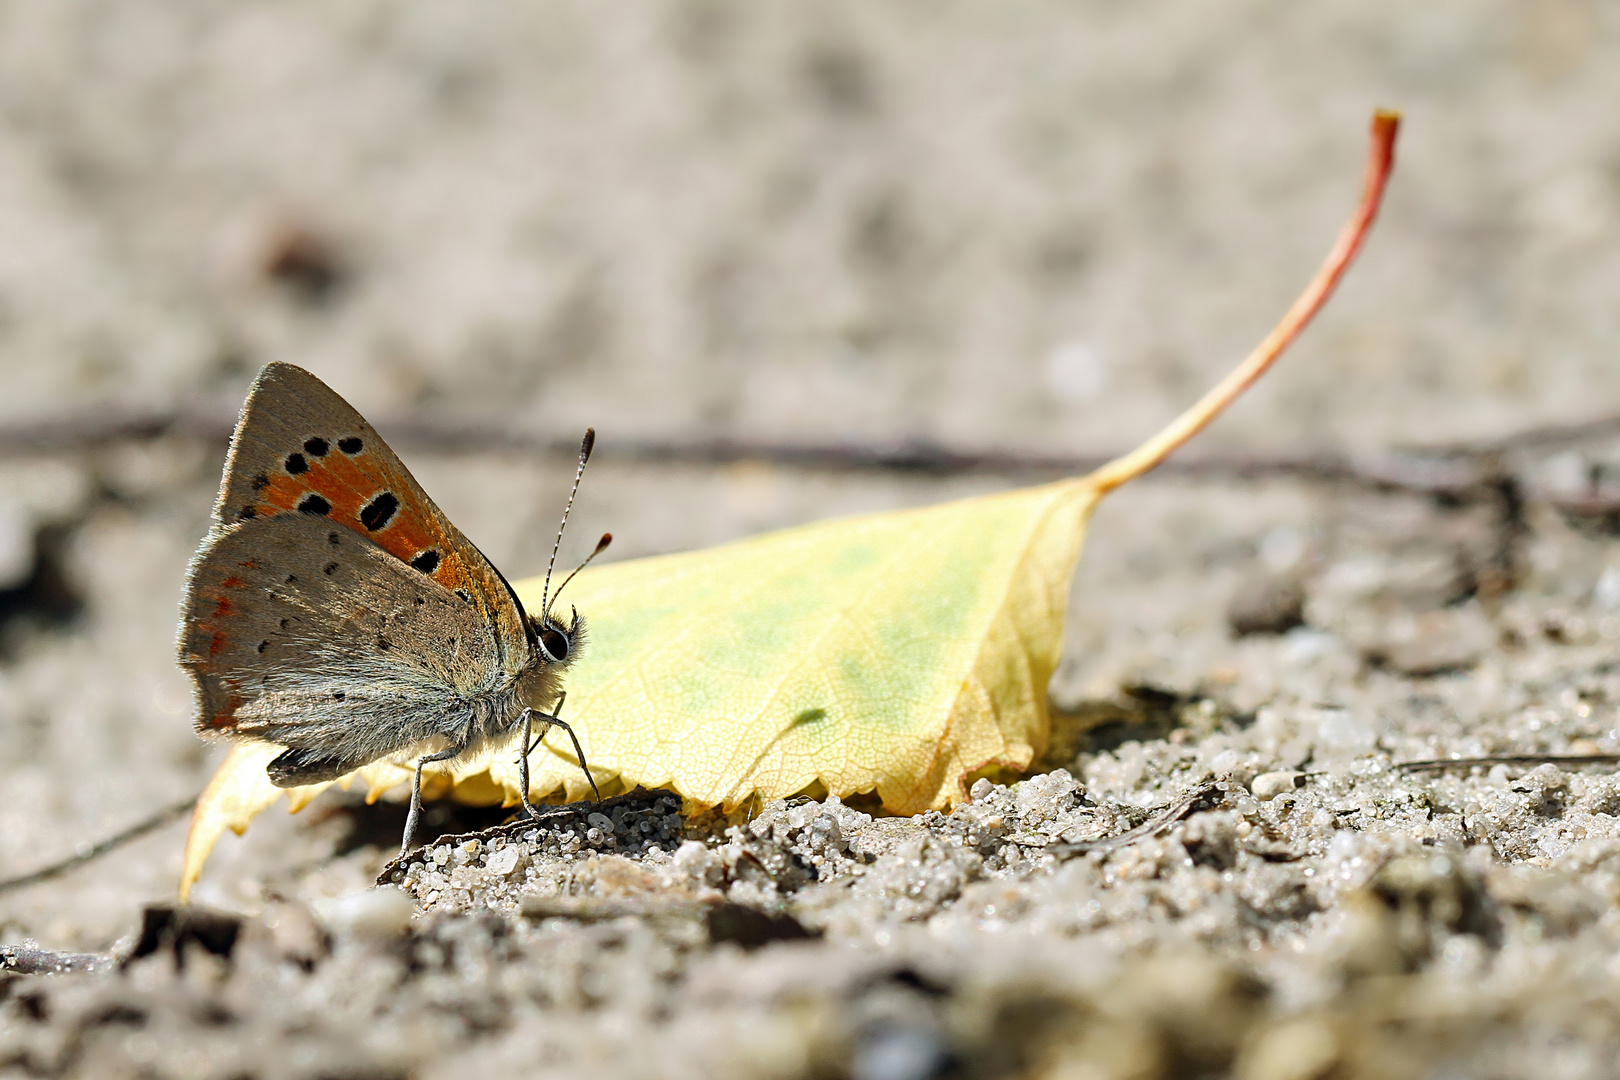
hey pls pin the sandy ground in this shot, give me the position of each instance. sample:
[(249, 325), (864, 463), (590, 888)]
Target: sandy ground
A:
[(1040, 228)]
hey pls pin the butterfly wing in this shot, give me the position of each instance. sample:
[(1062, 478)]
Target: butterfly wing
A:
[(301, 633), (299, 448)]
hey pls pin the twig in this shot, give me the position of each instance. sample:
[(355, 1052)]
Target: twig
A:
[(1440, 472), (1546, 437), (134, 832), (1417, 469), (28, 960), (581, 811), (86, 429), (1438, 764), (1154, 825)]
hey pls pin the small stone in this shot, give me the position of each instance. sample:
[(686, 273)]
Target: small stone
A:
[(1432, 643), (1345, 731), (1297, 1050), (17, 555), (894, 1052), (981, 789), (614, 875), (1268, 786), (376, 913), (295, 931), (1266, 605), (503, 862)]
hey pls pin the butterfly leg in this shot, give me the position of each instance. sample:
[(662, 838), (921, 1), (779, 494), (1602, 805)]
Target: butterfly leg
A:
[(556, 710), (416, 795), (529, 743), (551, 720)]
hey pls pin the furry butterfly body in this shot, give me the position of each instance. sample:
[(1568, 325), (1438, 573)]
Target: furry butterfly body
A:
[(335, 611)]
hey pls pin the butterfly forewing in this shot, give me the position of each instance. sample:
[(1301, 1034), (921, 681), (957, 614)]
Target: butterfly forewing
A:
[(301, 449)]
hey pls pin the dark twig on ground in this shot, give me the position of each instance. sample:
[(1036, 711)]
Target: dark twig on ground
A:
[(1547, 437), (549, 818), (28, 960), (112, 843), (1161, 820), (1439, 764), (1469, 472), (89, 429)]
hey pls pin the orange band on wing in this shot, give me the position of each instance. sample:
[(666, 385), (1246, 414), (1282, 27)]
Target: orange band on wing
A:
[(347, 485)]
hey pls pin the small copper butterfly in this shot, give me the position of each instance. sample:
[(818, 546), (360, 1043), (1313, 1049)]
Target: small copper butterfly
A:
[(334, 610)]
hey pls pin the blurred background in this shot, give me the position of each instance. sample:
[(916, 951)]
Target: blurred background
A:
[(1038, 229)]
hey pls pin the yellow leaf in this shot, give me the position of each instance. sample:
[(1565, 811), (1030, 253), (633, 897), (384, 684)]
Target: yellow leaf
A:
[(897, 652)]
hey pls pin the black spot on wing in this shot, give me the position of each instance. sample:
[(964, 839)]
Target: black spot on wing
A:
[(316, 447), (314, 504), (427, 562), (331, 568), (247, 513), (260, 482), (379, 511), (296, 464), (351, 445)]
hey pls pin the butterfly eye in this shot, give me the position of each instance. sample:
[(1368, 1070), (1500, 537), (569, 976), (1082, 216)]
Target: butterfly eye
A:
[(554, 643)]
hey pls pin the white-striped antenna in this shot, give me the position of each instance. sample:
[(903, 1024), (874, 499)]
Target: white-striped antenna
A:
[(584, 456), (601, 546)]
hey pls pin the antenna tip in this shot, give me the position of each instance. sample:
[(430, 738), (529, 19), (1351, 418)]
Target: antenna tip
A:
[(601, 545), (585, 447)]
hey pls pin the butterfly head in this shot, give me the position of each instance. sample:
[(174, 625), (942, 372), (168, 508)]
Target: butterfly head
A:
[(557, 643)]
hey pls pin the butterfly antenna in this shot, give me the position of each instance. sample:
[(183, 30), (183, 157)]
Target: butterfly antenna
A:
[(584, 456), (601, 546)]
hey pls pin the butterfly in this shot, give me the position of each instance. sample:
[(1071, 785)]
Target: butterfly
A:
[(334, 610)]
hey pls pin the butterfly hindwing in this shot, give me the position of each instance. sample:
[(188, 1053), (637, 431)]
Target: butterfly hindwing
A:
[(302, 633), (301, 449)]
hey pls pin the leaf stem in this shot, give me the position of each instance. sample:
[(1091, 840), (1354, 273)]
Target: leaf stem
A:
[(1380, 160)]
